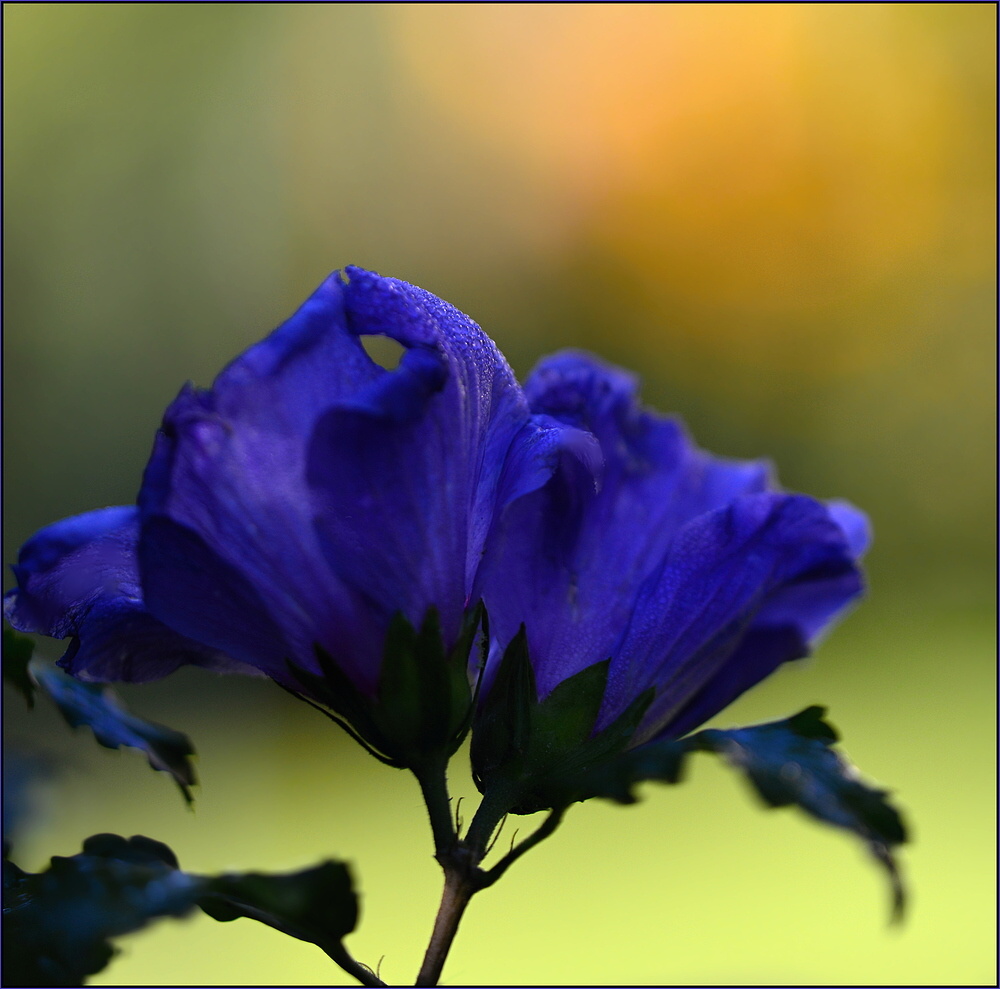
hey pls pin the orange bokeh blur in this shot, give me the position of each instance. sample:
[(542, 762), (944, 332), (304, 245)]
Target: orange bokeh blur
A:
[(783, 159)]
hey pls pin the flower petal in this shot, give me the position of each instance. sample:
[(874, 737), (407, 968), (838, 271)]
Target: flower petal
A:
[(226, 482), (316, 494), (794, 617), (855, 525), (79, 578), (742, 590), (569, 562), (422, 456)]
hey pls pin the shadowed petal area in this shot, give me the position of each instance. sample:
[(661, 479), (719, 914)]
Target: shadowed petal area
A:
[(414, 457), (79, 578), (425, 457), (226, 481)]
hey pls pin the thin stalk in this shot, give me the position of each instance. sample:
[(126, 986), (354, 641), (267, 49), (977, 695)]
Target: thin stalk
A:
[(433, 782), (460, 858), (458, 890), (362, 973), (490, 876), (490, 813)]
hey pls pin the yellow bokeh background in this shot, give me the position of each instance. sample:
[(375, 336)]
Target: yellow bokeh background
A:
[(781, 215)]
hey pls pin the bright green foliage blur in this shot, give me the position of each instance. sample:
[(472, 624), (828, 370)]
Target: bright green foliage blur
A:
[(781, 215)]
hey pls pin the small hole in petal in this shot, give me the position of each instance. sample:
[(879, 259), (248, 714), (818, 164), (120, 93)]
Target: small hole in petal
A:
[(384, 351)]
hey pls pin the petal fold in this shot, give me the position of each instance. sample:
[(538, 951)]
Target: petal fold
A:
[(742, 590), (79, 577)]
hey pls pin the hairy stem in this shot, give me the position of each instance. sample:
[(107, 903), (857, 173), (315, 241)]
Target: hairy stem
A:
[(458, 890), (434, 787), (460, 858)]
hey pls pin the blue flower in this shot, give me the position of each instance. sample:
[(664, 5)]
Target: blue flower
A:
[(291, 511), (694, 576), (294, 514)]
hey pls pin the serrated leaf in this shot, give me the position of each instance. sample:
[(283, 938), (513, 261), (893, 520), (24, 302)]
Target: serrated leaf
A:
[(787, 762), (59, 923), (791, 762), (17, 650), (97, 707)]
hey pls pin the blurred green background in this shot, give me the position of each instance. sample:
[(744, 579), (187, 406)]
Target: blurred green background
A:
[(782, 215)]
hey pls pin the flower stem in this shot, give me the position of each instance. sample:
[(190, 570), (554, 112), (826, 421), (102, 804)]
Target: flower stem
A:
[(433, 782), (460, 858), (460, 861), (458, 890)]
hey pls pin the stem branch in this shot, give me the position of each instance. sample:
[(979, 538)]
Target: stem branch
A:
[(460, 858), (490, 876), (362, 973)]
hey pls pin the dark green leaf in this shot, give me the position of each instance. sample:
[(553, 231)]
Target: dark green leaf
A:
[(138, 849), (58, 923), (316, 905), (788, 762), (17, 650), (791, 762), (97, 707)]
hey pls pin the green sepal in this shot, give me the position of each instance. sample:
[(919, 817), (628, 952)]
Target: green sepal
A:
[(423, 706), (536, 751), (58, 924), (503, 721), (787, 762)]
